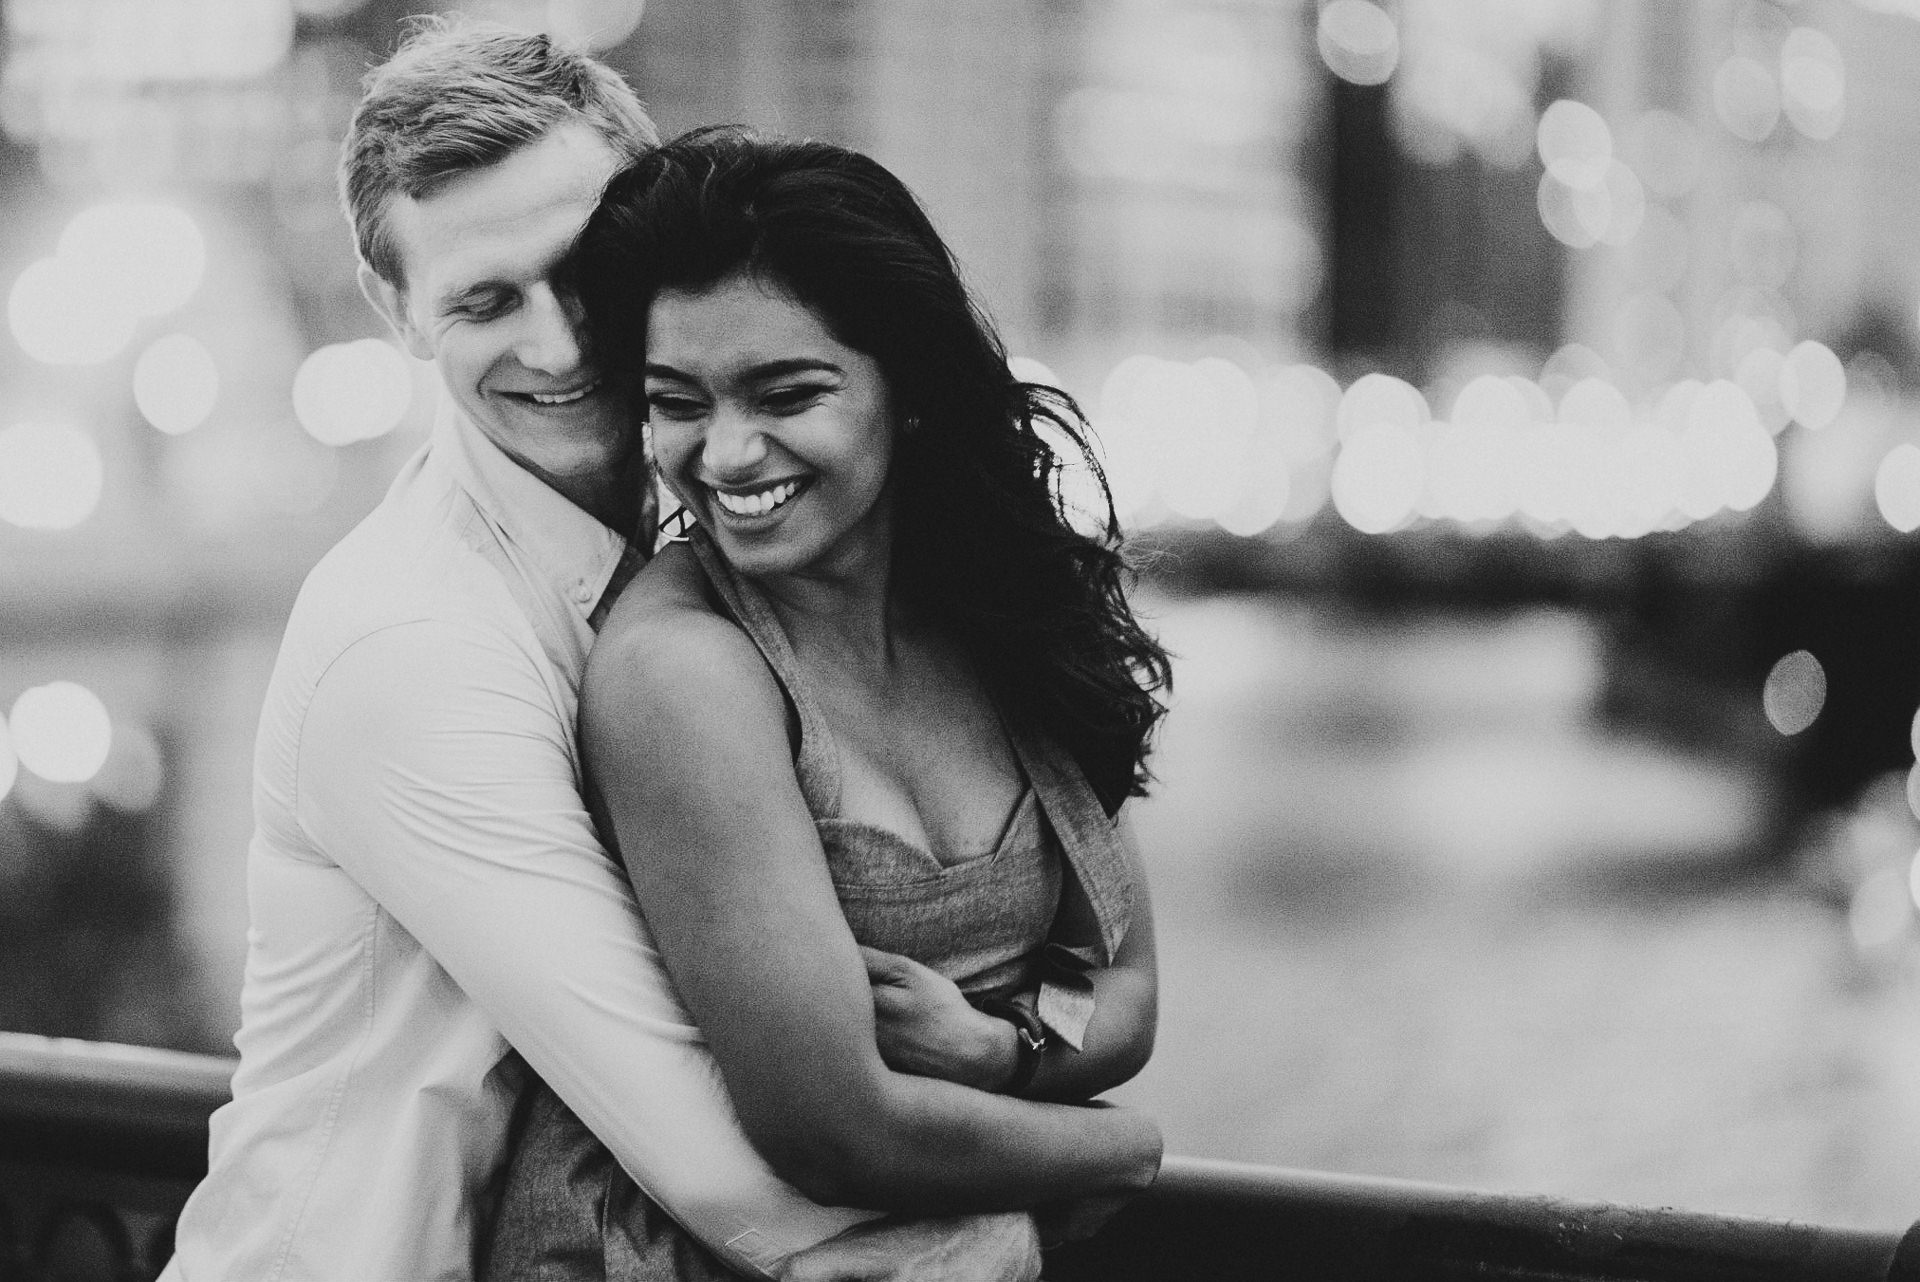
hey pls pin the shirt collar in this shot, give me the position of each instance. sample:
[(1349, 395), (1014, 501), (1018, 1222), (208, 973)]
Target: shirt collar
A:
[(571, 549)]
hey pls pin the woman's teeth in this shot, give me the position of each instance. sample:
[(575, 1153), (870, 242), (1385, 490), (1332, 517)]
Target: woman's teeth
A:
[(759, 502)]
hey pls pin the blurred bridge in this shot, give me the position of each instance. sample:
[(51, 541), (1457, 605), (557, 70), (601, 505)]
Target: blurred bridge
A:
[(100, 1144)]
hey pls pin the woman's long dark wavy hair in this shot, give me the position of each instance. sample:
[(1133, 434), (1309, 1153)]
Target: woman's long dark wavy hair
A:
[(983, 548)]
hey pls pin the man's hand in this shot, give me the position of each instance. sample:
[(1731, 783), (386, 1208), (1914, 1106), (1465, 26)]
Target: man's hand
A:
[(924, 1025), (953, 1248)]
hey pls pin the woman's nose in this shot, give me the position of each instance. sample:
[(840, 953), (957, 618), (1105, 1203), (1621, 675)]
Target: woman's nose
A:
[(734, 448)]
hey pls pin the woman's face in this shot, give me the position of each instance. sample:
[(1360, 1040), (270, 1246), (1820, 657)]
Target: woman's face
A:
[(778, 436)]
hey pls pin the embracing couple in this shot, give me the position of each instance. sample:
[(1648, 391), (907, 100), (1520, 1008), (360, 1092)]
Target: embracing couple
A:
[(760, 912)]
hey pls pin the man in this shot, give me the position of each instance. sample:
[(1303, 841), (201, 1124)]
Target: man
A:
[(427, 891)]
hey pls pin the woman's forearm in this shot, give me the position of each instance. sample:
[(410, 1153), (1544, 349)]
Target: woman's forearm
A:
[(1116, 1046)]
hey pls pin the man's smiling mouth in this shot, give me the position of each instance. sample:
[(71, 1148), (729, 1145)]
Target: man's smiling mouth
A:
[(756, 502), (559, 398)]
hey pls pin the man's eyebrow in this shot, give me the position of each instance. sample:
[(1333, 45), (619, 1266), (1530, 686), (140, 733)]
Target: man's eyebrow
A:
[(767, 369)]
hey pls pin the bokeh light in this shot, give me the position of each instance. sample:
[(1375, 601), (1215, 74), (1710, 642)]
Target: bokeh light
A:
[(1746, 98), (1731, 458), (1575, 144), (175, 383), (1795, 692), (61, 731), (116, 263), (1626, 205), (1813, 384), (1377, 399), (1379, 477), (1574, 216), (152, 255), (1298, 405), (67, 312), (595, 25), (1758, 375), (1813, 82), (346, 392), (1896, 488), (51, 476), (1358, 41), (1208, 410)]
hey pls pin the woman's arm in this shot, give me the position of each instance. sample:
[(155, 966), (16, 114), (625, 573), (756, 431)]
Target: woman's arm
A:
[(926, 1026), (685, 734)]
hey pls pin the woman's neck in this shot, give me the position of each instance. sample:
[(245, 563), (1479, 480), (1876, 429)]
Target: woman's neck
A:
[(842, 612)]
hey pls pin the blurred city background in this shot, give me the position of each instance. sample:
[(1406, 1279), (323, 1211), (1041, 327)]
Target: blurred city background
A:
[(1517, 403)]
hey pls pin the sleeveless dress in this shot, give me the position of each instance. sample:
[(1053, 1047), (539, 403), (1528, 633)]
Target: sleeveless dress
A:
[(997, 925)]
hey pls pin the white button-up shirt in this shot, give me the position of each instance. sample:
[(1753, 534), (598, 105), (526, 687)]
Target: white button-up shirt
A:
[(428, 895)]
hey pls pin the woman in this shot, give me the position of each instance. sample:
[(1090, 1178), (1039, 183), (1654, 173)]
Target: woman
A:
[(862, 739)]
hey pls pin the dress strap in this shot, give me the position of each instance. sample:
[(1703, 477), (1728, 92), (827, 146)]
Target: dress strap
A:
[(1089, 839), (1090, 842), (817, 763)]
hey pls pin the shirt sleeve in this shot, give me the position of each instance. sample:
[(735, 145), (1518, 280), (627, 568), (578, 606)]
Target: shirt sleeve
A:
[(435, 770)]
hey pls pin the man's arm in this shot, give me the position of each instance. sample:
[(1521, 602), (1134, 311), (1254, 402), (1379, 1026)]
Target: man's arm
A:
[(435, 771), (952, 1248)]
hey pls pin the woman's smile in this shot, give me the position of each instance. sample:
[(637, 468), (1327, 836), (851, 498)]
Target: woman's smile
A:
[(751, 504)]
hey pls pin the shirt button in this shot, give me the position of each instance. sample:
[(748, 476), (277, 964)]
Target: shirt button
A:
[(583, 594)]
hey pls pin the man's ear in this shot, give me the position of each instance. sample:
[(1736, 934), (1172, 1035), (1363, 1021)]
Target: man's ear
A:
[(392, 305)]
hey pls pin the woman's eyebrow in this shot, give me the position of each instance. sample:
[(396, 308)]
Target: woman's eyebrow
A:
[(793, 365), (764, 370)]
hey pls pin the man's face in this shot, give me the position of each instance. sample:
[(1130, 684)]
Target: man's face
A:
[(479, 255)]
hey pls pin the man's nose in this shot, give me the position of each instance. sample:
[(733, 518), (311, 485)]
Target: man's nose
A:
[(552, 341)]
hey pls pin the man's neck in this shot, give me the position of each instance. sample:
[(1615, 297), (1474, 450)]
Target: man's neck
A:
[(614, 497)]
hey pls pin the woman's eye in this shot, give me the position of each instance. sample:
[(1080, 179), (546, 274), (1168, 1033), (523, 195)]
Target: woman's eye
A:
[(668, 405), (791, 400)]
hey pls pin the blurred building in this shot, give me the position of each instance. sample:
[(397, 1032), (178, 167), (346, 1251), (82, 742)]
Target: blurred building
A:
[(1114, 176)]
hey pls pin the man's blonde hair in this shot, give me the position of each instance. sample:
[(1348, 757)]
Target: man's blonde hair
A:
[(458, 96)]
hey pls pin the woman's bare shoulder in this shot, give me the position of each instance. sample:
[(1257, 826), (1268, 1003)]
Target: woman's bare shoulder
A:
[(665, 638)]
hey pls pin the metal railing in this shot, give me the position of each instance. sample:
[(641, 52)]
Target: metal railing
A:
[(100, 1144)]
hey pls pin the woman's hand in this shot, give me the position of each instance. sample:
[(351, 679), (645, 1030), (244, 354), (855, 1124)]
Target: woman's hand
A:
[(924, 1025)]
